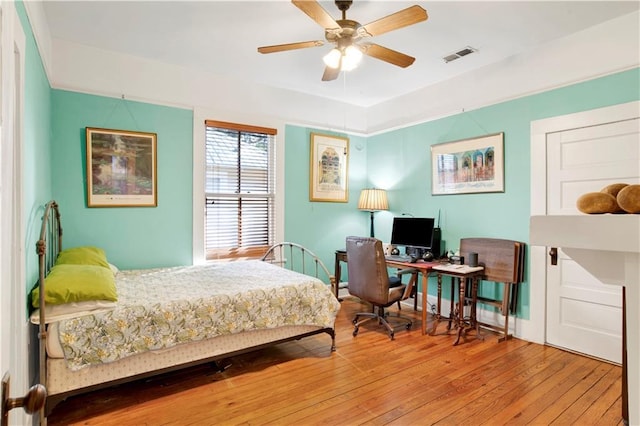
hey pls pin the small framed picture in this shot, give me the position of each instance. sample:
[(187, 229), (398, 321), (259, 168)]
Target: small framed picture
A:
[(329, 168), (468, 166), (121, 168)]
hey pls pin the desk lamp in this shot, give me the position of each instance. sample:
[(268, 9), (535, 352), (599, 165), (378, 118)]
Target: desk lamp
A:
[(373, 200)]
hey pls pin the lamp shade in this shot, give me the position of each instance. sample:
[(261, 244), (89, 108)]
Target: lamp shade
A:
[(373, 200), (346, 59), (332, 59), (351, 58)]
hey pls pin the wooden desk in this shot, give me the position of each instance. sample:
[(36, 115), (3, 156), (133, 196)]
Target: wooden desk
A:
[(341, 256), (461, 273), (423, 268)]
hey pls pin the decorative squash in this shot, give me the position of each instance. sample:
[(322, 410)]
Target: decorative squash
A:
[(629, 198), (597, 203), (614, 188)]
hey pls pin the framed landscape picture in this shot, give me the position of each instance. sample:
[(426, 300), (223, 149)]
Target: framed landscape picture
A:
[(121, 168), (468, 166), (329, 168)]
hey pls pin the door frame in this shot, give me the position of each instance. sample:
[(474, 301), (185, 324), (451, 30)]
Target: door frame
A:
[(538, 179), (14, 330)]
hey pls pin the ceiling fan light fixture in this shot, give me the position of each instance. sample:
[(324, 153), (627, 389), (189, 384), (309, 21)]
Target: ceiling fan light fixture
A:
[(332, 59), (351, 58), (344, 33)]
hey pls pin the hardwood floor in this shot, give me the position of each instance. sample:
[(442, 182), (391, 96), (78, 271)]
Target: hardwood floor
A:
[(413, 380)]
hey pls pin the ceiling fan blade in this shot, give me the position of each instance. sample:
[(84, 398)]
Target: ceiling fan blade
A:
[(409, 16), (387, 55), (330, 73), (290, 46), (316, 12)]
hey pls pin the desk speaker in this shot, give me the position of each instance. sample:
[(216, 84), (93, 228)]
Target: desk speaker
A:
[(436, 248)]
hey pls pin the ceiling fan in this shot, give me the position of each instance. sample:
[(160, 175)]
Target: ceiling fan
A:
[(347, 34)]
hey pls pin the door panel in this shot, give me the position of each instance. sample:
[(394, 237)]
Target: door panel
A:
[(588, 159)]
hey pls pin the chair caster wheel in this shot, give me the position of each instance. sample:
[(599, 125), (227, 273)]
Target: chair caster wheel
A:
[(409, 326), (355, 332), (392, 336)]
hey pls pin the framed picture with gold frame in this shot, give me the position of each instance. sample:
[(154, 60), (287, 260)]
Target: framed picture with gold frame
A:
[(329, 168), (121, 168)]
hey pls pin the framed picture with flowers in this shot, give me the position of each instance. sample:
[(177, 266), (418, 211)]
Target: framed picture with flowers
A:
[(121, 168)]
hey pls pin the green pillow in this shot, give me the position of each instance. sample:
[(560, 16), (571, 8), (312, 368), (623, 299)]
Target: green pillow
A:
[(83, 256), (76, 283)]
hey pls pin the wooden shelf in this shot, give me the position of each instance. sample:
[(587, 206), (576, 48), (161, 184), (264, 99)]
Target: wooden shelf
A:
[(608, 232)]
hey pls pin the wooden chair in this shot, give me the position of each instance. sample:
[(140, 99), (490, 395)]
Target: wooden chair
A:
[(503, 262)]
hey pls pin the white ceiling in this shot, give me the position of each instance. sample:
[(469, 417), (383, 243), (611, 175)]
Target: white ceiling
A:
[(221, 37)]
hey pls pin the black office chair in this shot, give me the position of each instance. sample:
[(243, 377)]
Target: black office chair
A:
[(369, 280)]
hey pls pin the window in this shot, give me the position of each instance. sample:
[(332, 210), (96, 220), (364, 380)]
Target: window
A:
[(239, 190)]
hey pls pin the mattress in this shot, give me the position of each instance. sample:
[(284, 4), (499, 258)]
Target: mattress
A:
[(161, 308)]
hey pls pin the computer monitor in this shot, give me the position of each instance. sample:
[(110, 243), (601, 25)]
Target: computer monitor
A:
[(413, 232)]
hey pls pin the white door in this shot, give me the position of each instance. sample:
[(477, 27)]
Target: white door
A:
[(584, 315)]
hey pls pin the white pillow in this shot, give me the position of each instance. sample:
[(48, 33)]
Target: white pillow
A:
[(55, 313), (114, 268)]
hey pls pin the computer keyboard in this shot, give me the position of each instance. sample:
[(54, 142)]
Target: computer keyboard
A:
[(398, 258)]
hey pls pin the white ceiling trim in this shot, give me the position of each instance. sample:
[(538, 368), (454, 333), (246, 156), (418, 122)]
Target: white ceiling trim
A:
[(604, 49)]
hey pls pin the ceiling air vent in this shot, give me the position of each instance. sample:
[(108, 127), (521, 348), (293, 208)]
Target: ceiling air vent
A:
[(459, 54)]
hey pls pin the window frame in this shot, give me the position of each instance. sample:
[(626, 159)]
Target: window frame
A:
[(242, 252)]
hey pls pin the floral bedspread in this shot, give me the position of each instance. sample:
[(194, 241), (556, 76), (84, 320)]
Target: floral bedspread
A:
[(160, 308)]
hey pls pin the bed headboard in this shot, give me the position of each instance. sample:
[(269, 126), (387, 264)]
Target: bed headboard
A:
[(47, 248), (50, 242)]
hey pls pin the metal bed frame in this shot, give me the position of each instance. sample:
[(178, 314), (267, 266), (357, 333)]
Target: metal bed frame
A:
[(49, 246)]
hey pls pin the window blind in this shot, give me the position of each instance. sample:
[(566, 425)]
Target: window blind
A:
[(239, 190)]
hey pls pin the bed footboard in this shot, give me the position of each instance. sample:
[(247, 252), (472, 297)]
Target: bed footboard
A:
[(297, 258)]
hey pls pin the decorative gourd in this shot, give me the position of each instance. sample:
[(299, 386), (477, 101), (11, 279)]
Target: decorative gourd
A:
[(597, 203), (614, 188), (629, 198)]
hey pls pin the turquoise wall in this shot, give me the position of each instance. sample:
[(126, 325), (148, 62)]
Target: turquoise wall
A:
[(133, 237), (321, 227), (37, 187), (399, 161)]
